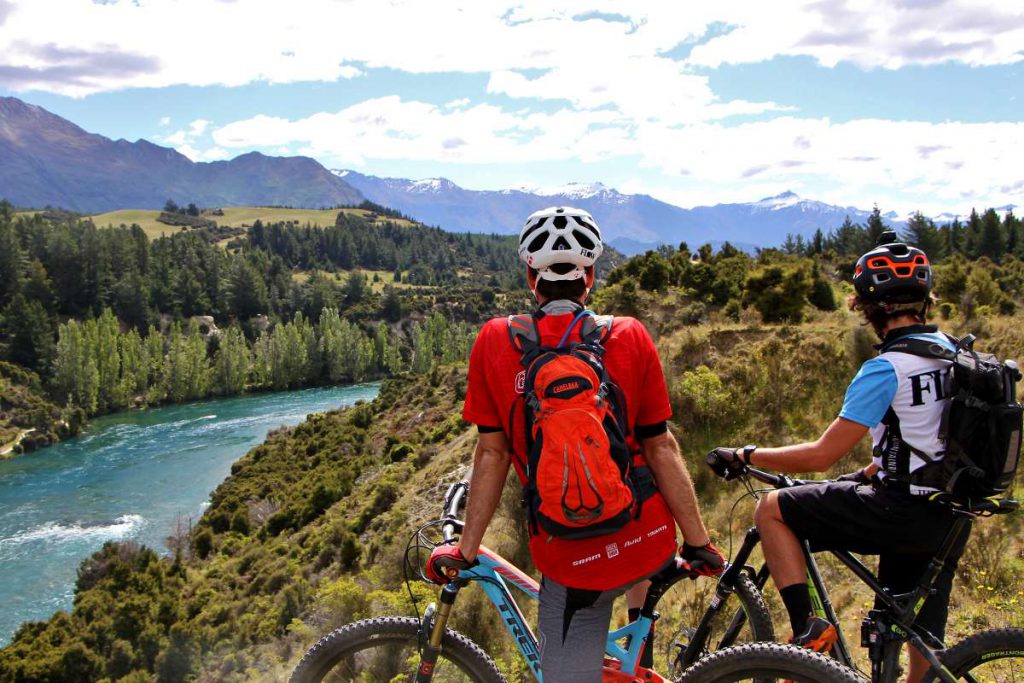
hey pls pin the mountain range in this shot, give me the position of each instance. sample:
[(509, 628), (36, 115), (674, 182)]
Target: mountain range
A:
[(632, 222), (47, 160)]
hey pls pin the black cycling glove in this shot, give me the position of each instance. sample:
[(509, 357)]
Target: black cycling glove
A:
[(706, 560), (727, 462)]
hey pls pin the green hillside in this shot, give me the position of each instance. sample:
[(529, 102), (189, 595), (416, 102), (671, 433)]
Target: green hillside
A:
[(308, 531)]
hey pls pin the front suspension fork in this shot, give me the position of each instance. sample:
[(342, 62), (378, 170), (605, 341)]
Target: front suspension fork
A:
[(432, 632)]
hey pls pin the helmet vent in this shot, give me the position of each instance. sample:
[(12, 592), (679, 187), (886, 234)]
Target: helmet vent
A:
[(561, 243), (560, 222), (538, 243), (899, 249), (587, 224), (881, 277), (532, 230), (582, 238)]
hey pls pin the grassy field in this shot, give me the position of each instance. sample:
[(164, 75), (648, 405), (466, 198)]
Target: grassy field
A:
[(144, 218), (240, 216), (384, 277)]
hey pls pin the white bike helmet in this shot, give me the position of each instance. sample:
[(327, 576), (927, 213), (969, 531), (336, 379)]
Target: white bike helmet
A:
[(559, 242)]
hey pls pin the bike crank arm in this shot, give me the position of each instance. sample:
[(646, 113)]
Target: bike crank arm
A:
[(430, 650)]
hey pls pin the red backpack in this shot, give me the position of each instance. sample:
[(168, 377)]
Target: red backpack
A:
[(579, 473)]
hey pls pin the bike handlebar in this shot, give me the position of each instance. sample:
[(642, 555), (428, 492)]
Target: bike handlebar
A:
[(453, 500), (984, 506), (779, 481)]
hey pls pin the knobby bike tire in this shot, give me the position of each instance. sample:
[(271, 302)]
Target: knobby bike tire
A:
[(374, 643), (996, 655), (759, 625), (768, 662)]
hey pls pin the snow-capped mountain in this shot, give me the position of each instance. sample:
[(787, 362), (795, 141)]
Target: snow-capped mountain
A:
[(633, 223)]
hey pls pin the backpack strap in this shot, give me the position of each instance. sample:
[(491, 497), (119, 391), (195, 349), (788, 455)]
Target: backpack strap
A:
[(595, 329), (922, 347), (524, 334)]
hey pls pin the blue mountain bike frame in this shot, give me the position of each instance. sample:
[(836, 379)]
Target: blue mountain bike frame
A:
[(494, 574)]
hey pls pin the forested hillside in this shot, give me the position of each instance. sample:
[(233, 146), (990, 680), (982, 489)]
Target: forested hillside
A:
[(102, 318), (309, 530)]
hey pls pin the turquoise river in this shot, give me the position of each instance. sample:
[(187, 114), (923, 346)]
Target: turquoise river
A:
[(133, 475)]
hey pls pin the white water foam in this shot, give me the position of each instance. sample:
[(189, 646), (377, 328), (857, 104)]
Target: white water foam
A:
[(63, 533)]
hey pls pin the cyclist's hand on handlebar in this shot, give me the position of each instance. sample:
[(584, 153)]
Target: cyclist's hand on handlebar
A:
[(445, 563), (705, 560), (726, 462)]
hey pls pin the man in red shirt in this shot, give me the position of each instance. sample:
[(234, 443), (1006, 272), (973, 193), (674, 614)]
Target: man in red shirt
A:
[(581, 577)]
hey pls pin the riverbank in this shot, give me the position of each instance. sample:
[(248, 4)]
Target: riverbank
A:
[(7, 450), (140, 476)]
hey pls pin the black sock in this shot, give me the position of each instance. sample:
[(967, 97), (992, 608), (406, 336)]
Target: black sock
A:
[(647, 658), (797, 599)]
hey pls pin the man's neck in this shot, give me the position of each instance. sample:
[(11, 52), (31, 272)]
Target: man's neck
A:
[(559, 306), (901, 321)]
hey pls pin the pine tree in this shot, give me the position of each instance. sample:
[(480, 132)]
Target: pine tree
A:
[(11, 256), (922, 233), (30, 335), (875, 227), (993, 242)]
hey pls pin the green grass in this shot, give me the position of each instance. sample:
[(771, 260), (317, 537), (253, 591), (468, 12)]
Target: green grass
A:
[(240, 216), (384, 277), (144, 218)]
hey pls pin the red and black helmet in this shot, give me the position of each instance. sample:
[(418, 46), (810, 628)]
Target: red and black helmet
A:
[(893, 272)]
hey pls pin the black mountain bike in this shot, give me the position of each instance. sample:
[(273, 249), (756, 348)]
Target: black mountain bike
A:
[(995, 655)]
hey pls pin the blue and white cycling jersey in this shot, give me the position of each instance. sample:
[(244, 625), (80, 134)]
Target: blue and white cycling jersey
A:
[(917, 390)]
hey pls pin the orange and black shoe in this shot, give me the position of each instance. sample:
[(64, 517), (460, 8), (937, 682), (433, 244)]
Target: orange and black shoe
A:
[(819, 636)]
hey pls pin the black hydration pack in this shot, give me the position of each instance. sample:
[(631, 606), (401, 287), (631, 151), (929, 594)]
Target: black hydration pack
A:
[(981, 424)]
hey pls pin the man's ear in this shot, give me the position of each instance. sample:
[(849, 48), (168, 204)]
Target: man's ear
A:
[(531, 282), (590, 276)]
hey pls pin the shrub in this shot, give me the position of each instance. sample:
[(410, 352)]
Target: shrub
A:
[(203, 543), (778, 292), (240, 522)]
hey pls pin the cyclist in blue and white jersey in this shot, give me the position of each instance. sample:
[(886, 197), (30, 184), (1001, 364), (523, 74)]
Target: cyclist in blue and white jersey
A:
[(882, 509)]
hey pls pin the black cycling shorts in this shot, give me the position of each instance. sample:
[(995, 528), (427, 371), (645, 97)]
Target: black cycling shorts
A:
[(904, 531)]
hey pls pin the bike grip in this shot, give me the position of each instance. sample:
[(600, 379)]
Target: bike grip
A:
[(712, 458)]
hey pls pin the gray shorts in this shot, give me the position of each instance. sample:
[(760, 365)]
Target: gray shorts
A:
[(574, 630)]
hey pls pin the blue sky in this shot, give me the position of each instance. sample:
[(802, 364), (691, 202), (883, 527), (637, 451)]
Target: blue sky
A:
[(910, 104)]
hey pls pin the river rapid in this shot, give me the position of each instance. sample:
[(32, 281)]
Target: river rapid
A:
[(133, 475)]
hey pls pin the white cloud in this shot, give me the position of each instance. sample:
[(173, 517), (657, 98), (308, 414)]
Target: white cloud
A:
[(165, 121), (871, 33), (934, 165), (391, 128), (208, 154), (186, 141), (99, 47)]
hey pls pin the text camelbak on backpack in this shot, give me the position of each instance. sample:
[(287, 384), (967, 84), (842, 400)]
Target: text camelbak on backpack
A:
[(580, 478), (982, 423)]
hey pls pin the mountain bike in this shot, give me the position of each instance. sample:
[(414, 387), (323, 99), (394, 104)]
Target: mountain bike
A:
[(423, 648), (993, 655)]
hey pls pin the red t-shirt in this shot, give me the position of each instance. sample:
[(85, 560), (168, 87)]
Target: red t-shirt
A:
[(496, 378)]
